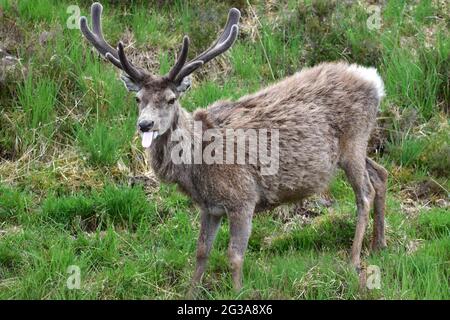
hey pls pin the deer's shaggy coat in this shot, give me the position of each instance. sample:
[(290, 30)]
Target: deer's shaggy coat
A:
[(324, 115)]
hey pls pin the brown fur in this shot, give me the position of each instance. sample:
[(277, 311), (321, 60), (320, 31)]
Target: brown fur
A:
[(324, 116)]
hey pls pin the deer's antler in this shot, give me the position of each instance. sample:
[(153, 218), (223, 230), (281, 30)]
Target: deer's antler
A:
[(182, 69), (95, 37)]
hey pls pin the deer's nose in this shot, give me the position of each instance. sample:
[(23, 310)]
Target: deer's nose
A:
[(145, 125)]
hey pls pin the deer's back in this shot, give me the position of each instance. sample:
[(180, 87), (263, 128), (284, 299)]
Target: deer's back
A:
[(339, 93)]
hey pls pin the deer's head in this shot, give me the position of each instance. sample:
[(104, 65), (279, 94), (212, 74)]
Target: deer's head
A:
[(157, 96)]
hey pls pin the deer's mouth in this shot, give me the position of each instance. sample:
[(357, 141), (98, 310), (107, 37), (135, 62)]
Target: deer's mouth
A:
[(148, 137)]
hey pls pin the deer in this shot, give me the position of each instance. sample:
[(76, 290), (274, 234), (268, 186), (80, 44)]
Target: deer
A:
[(324, 116)]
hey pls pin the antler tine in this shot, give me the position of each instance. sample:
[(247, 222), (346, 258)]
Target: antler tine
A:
[(223, 43), (181, 59), (127, 66), (96, 13), (95, 37), (220, 47), (188, 69), (232, 20)]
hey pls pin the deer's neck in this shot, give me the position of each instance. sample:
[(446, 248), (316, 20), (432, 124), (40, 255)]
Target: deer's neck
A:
[(179, 136)]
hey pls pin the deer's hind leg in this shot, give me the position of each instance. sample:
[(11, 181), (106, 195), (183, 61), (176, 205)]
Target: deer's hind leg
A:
[(354, 165), (378, 178)]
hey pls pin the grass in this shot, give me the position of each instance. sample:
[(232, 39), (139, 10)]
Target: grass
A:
[(68, 149), (103, 144), (37, 101), (13, 203), (122, 205)]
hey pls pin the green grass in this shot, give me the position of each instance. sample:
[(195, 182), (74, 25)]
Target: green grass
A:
[(156, 262), (37, 100), (327, 232), (103, 144), (13, 203), (67, 152), (120, 205), (434, 224)]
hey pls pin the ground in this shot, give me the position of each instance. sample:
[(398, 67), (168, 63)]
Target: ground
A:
[(76, 193)]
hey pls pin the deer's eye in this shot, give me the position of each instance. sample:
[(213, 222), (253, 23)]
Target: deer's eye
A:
[(138, 100), (171, 101)]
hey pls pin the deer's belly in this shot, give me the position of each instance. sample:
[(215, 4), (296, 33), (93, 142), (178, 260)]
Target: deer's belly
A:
[(296, 181)]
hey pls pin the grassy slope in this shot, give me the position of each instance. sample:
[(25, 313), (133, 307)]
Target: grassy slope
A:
[(67, 151)]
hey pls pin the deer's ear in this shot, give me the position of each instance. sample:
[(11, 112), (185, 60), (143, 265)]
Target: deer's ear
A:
[(184, 85), (130, 84)]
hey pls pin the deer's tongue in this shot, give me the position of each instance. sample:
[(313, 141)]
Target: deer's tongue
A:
[(147, 138)]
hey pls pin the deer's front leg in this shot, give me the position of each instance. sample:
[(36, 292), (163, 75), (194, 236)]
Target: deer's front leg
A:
[(240, 229), (209, 224)]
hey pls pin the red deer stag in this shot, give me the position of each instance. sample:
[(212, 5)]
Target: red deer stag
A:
[(320, 119)]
